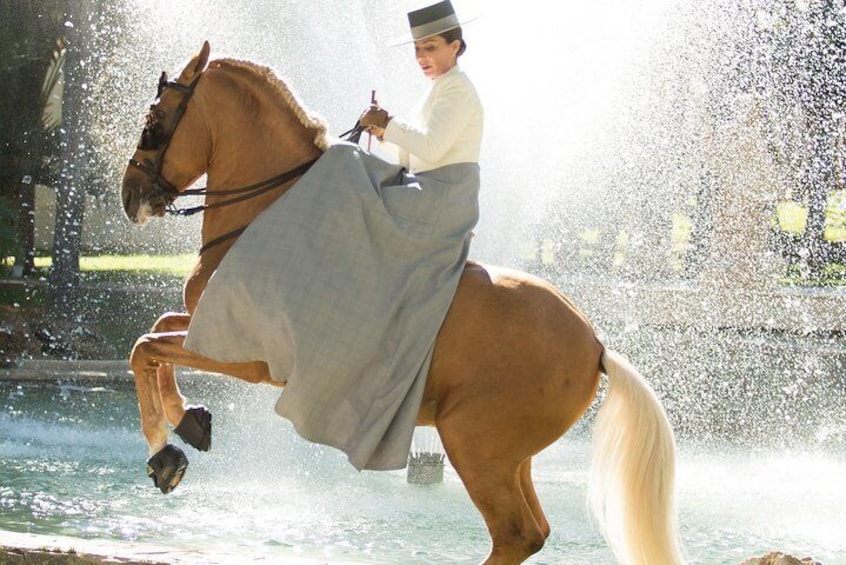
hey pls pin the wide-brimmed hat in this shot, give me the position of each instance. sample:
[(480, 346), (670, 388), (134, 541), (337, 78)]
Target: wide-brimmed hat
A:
[(432, 20)]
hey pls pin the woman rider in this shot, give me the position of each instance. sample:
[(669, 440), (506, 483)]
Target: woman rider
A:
[(448, 128)]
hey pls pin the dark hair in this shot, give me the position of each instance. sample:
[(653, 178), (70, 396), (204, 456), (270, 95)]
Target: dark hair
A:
[(455, 34)]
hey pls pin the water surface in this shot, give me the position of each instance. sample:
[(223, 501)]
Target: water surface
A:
[(73, 464)]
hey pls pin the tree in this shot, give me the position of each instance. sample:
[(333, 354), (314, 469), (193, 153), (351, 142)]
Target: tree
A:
[(30, 110), (70, 197), (68, 159), (95, 31), (789, 56), (824, 99)]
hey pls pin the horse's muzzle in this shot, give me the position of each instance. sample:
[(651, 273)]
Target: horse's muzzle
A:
[(131, 202)]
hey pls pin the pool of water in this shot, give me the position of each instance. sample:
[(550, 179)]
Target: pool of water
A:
[(72, 463)]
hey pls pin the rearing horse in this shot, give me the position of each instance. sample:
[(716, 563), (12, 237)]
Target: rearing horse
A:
[(515, 363)]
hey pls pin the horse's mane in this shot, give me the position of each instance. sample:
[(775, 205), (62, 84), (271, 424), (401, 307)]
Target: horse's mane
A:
[(308, 119)]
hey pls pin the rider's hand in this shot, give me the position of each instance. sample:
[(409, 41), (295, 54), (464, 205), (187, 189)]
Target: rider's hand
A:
[(375, 117)]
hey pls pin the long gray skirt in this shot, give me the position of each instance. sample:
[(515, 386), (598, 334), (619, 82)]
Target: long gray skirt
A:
[(341, 287)]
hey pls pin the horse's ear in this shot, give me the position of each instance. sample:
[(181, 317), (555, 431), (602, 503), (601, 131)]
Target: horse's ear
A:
[(198, 63), (203, 59)]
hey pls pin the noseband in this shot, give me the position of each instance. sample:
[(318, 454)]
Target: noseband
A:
[(153, 138)]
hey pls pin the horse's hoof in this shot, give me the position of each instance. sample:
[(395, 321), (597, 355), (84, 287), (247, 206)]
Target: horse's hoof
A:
[(195, 428), (167, 468)]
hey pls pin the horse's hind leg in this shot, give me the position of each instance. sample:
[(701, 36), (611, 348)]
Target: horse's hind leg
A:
[(496, 488), (532, 498)]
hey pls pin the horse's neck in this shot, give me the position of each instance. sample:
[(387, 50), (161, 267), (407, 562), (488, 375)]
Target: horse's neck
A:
[(255, 160), (255, 152), (248, 149), (256, 131), (218, 222)]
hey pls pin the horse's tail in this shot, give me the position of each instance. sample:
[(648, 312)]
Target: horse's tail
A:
[(632, 471)]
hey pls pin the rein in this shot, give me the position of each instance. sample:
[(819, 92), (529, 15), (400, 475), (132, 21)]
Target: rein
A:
[(245, 193)]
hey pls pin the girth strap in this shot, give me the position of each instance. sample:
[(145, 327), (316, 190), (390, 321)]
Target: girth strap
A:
[(222, 238)]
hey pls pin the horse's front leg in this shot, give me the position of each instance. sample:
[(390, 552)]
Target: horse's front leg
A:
[(191, 423), (151, 353)]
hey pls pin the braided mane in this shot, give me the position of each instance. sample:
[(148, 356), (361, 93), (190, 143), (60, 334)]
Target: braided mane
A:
[(308, 119)]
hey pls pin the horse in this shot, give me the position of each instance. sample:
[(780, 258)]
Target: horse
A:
[(515, 362)]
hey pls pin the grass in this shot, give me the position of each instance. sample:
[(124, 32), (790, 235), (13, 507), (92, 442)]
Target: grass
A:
[(790, 217), (156, 270), (793, 217), (174, 265)]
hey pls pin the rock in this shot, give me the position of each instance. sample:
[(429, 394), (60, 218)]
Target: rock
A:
[(27, 333), (779, 558), (15, 556)]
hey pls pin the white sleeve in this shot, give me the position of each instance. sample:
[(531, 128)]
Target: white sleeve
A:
[(449, 114)]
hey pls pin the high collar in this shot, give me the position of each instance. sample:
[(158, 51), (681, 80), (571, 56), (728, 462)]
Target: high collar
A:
[(454, 70)]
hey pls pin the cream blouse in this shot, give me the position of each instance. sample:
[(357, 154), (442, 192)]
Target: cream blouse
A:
[(447, 130)]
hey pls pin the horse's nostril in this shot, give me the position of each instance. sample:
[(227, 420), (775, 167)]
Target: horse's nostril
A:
[(131, 203)]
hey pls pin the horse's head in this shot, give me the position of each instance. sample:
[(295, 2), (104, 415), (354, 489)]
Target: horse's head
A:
[(242, 125), (170, 154)]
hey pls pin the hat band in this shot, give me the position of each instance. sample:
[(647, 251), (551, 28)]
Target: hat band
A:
[(433, 28)]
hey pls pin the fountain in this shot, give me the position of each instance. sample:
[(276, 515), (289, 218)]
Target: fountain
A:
[(426, 459), (601, 102)]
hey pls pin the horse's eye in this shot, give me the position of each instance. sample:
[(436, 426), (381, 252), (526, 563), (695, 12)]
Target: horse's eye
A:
[(152, 136), (160, 114), (147, 141)]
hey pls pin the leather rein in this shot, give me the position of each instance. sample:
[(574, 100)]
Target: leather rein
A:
[(164, 189)]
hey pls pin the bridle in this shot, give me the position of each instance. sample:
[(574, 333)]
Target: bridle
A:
[(164, 189), (152, 168)]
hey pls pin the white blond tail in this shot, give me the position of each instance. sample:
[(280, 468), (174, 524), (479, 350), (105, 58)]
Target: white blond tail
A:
[(631, 485)]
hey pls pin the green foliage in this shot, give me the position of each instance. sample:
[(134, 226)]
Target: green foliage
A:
[(121, 295)]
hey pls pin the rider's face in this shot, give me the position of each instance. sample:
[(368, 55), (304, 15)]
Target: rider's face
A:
[(435, 56)]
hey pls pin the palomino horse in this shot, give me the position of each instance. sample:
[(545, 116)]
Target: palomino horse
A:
[(515, 363)]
